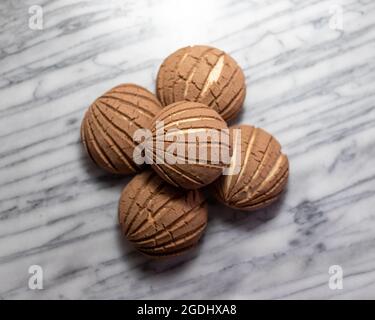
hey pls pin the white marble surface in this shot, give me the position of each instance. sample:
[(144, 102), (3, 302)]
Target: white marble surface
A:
[(308, 83)]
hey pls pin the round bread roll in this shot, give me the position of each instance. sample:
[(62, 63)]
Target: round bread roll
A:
[(202, 74), (109, 124), (159, 219), (262, 171), (201, 159)]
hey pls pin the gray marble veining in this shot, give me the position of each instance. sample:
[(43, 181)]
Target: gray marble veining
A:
[(310, 81)]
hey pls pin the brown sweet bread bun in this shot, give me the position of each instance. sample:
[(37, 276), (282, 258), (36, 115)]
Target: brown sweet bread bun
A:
[(189, 119), (263, 171), (202, 74), (159, 219), (109, 124)]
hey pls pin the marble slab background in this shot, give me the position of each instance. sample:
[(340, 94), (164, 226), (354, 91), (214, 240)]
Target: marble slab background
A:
[(310, 83)]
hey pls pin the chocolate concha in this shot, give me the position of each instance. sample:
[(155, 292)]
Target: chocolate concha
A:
[(110, 122), (159, 219), (202, 74), (189, 118), (263, 171)]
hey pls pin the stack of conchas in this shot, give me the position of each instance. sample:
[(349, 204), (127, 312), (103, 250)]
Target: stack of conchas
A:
[(182, 143)]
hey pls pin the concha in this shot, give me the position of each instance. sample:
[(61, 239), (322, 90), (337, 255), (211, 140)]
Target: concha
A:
[(110, 122), (260, 175), (202, 74), (159, 219)]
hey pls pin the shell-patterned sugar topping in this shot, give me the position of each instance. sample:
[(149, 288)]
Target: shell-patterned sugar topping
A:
[(202, 74), (262, 175), (202, 152), (109, 125), (159, 219)]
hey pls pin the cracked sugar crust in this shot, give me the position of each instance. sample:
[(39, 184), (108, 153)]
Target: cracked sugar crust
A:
[(191, 118), (158, 219), (109, 124), (263, 171), (202, 74)]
